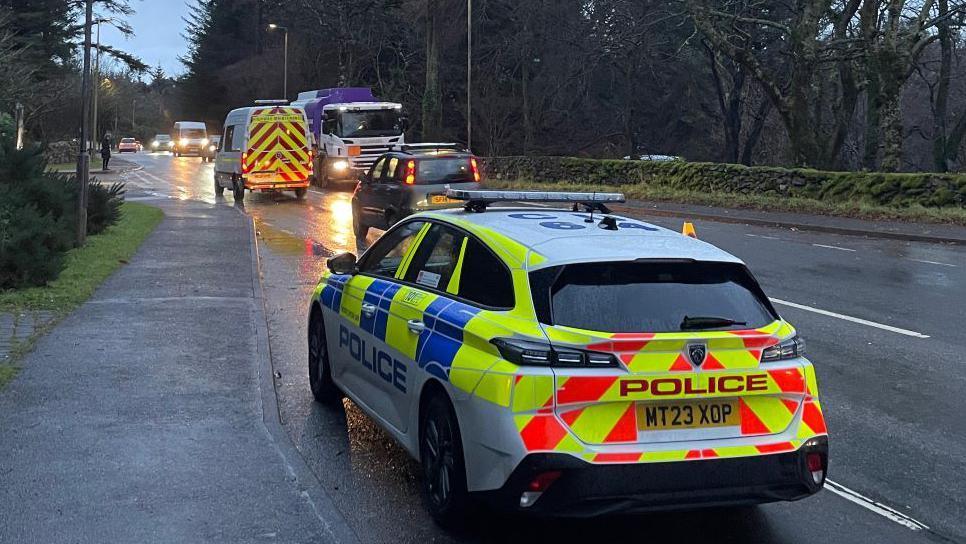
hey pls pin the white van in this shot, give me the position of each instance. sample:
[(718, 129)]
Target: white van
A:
[(264, 148), (189, 137)]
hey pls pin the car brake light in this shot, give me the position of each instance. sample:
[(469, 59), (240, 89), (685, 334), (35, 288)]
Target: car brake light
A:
[(475, 169), (789, 349), (527, 353), (410, 172)]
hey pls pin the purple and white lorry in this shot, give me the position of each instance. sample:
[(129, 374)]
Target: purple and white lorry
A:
[(350, 130)]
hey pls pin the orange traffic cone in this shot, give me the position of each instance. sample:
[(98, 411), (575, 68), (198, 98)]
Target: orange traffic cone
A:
[(688, 230)]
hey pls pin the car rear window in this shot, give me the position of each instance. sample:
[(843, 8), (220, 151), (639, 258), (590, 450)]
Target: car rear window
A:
[(127, 140), (649, 296), (443, 170)]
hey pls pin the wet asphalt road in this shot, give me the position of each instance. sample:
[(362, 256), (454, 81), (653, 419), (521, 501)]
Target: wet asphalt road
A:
[(894, 401)]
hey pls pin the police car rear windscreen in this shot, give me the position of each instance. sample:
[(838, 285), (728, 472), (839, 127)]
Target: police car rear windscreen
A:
[(650, 297)]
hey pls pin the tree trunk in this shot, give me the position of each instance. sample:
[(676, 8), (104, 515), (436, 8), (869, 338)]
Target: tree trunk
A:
[(940, 105), (890, 127), (754, 133), (432, 114)]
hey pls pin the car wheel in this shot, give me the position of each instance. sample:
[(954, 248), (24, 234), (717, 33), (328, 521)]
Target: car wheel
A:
[(322, 175), (441, 457), (320, 373), (238, 190), (219, 190), (300, 193), (360, 229)]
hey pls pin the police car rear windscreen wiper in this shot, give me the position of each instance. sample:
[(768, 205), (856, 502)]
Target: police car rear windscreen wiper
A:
[(707, 322)]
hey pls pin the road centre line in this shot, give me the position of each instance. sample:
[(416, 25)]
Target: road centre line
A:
[(833, 247), (763, 236), (933, 262), (858, 320), (877, 507)]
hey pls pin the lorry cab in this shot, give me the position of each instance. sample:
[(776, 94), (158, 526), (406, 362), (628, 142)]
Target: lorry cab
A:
[(350, 130), (189, 137), (264, 148)]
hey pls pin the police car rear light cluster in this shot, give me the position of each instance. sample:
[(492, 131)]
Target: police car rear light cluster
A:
[(524, 352), (789, 349), (813, 461)]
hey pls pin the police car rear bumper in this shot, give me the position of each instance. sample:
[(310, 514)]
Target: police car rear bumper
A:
[(585, 490)]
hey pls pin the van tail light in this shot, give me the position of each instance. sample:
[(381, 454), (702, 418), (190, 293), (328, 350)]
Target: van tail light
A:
[(311, 161), (245, 168), (475, 169), (411, 172)]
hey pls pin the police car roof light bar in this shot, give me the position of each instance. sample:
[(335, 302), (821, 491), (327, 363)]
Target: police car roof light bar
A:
[(477, 201)]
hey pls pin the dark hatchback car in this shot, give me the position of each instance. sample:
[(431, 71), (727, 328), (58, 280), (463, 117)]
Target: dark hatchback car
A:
[(410, 179)]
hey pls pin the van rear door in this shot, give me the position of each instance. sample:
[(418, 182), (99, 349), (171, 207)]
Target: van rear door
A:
[(277, 152)]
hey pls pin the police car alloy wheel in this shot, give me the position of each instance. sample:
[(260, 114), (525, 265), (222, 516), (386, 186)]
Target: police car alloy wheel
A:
[(320, 375), (441, 455)]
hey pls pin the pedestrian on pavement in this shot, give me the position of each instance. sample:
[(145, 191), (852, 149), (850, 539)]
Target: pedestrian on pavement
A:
[(106, 149)]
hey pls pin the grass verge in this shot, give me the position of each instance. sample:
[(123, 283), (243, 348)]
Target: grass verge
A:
[(658, 193), (85, 269), (96, 164)]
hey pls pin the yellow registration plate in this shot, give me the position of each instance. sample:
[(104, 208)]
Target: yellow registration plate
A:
[(692, 414), (441, 199)]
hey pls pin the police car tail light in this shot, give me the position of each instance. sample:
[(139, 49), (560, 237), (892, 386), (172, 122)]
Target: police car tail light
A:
[(789, 349), (528, 353), (813, 460), (537, 486)]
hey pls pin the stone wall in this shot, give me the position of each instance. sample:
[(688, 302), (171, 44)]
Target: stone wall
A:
[(61, 152), (926, 189)]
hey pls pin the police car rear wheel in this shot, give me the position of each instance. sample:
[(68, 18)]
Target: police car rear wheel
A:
[(441, 455), (320, 375)]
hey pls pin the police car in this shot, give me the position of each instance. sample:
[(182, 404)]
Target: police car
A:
[(568, 361)]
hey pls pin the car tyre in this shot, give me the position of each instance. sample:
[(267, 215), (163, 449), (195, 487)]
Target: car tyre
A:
[(300, 193), (360, 229), (238, 190), (320, 373), (219, 190), (322, 174), (441, 457)]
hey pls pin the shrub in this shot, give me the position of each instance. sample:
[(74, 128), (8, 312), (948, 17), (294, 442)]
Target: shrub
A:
[(103, 206), (38, 216)]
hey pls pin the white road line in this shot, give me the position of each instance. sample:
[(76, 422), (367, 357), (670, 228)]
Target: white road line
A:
[(932, 262), (833, 247), (877, 507), (858, 320), (763, 236)]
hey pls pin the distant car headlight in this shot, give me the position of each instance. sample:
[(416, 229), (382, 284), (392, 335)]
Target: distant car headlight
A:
[(171, 143), (212, 148), (154, 144), (204, 141), (340, 166), (184, 142)]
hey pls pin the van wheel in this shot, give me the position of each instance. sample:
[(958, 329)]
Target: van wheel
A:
[(219, 190), (441, 457), (238, 190), (300, 193), (322, 174)]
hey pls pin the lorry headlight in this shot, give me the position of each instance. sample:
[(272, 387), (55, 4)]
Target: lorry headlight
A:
[(204, 141), (212, 148), (154, 144), (340, 165)]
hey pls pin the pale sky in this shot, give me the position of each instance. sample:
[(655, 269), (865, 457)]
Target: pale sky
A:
[(158, 26)]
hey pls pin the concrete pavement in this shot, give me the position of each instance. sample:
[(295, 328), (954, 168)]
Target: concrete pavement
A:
[(140, 417)]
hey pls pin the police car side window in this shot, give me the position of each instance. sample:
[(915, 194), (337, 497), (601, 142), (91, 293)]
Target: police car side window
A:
[(386, 254), (484, 279), (435, 260)]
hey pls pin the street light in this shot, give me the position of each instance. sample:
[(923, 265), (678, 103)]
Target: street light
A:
[(469, 74), (272, 27), (83, 158)]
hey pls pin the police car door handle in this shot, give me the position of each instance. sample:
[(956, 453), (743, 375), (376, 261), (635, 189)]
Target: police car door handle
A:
[(368, 310), (416, 326)]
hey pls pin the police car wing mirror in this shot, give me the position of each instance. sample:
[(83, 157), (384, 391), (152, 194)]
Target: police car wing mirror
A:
[(343, 263)]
